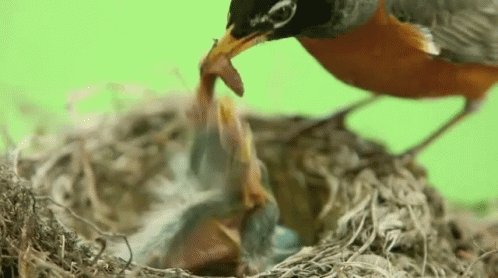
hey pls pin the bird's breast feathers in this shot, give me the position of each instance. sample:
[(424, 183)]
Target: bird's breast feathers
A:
[(410, 59)]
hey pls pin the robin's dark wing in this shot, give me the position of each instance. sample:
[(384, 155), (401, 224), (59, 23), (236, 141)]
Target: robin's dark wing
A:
[(464, 31)]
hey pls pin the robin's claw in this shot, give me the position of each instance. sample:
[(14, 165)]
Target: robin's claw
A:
[(407, 157)]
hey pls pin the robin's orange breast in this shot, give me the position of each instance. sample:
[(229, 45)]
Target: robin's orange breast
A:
[(385, 56)]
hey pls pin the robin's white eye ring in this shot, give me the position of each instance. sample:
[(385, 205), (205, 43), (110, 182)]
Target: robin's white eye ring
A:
[(281, 13)]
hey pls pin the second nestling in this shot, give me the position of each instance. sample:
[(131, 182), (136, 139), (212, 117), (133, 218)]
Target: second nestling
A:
[(226, 220)]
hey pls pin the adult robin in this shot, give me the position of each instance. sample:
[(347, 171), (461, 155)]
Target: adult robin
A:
[(403, 48)]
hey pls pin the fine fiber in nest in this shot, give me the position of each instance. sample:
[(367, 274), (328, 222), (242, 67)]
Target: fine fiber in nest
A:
[(359, 211)]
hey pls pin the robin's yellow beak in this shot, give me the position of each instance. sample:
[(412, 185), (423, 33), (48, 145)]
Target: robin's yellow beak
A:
[(229, 46)]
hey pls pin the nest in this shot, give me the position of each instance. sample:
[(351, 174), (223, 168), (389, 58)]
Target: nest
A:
[(359, 211)]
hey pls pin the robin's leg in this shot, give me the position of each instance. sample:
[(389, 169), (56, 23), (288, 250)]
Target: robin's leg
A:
[(338, 117), (470, 107)]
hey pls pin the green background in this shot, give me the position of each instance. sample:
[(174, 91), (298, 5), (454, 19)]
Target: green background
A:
[(49, 49)]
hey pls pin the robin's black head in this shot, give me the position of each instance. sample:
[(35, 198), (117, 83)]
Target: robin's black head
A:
[(276, 18), (253, 21)]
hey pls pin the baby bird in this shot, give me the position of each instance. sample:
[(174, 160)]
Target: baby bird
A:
[(225, 219)]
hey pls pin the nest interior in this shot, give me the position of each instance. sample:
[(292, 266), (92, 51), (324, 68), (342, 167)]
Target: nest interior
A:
[(359, 211)]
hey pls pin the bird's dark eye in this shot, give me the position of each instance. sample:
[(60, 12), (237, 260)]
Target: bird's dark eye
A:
[(282, 12)]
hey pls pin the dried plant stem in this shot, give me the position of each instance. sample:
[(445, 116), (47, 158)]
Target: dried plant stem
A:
[(93, 227)]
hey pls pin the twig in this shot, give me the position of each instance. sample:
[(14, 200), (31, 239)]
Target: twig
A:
[(368, 266), (78, 96), (424, 238), (341, 222), (63, 247), (42, 170), (333, 186), (169, 271), (103, 246), (53, 268), (371, 239), (7, 139), (480, 258), (90, 178), (33, 202), (93, 227), (357, 232), (16, 154), (179, 76)]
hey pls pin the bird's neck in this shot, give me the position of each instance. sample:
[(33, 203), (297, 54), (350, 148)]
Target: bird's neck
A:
[(345, 15)]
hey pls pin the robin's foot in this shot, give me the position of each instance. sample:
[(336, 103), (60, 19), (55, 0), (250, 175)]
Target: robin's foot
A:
[(337, 118), (383, 162), (407, 157), (410, 154)]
